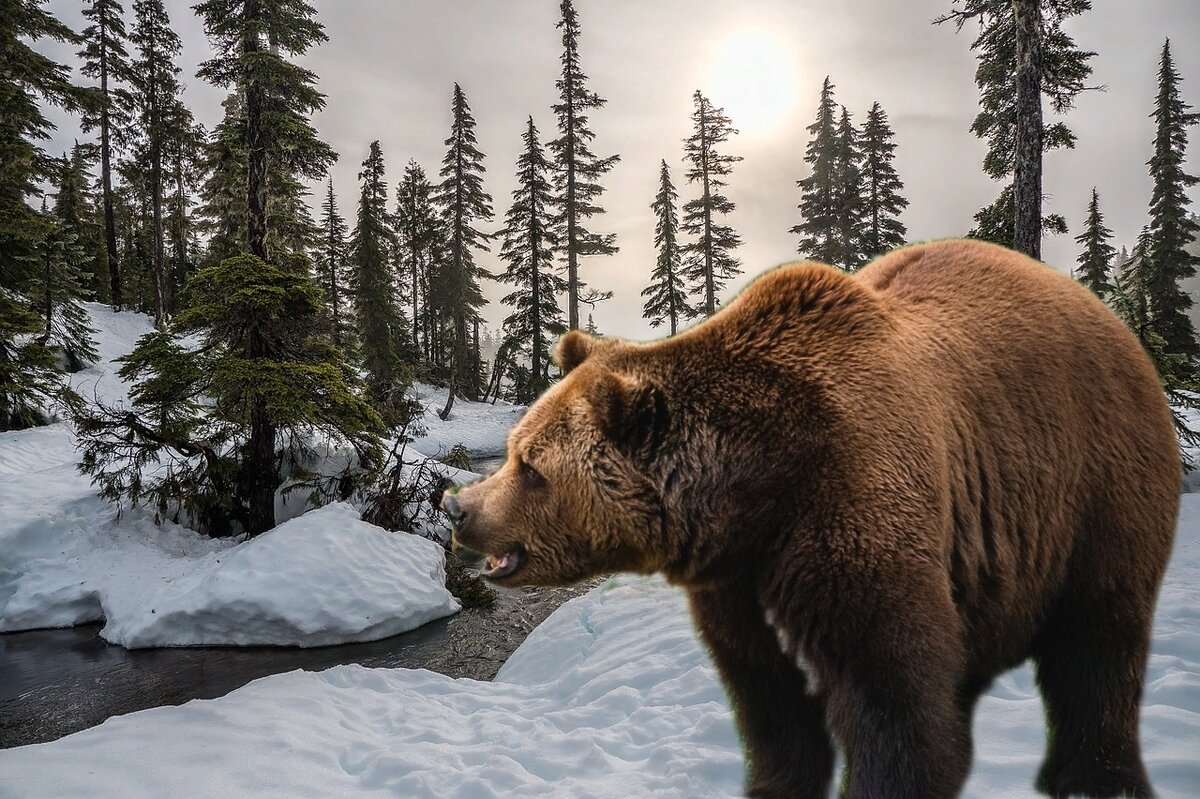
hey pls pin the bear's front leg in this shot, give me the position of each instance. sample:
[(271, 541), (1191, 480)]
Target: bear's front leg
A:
[(891, 679), (788, 748)]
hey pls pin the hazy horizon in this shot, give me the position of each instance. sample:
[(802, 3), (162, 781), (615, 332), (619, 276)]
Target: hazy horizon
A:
[(388, 69)]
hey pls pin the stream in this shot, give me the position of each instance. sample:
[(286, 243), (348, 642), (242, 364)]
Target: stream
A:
[(56, 682)]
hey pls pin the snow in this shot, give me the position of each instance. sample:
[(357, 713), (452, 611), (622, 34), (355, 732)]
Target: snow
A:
[(612, 696), (66, 558), (479, 426)]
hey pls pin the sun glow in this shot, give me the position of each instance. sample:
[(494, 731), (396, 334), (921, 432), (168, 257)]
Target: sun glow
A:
[(752, 75)]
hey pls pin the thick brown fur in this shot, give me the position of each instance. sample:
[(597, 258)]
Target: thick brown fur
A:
[(879, 492)]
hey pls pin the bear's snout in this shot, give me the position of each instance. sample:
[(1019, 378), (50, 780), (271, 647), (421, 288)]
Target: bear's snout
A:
[(453, 509)]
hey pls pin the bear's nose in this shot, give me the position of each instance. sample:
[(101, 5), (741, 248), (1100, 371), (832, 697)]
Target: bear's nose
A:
[(453, 510)]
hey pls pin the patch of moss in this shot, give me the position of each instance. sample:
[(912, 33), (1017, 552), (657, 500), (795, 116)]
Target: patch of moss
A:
[(467, 586)]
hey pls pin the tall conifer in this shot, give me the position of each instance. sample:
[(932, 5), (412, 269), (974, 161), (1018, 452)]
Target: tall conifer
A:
[(418, 228), (1098, 254), (666, 296), (332, 267), (883, 231), (818, 227), (850, 202)]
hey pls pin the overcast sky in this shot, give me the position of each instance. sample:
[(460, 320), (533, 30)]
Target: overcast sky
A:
[(389, 66)]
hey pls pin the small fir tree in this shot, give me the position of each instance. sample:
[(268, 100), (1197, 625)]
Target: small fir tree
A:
[(708, 260), (1098, 253), (528, 249), (883, 231), (666, 296), (333, 269), (577, 180), (818, 228)]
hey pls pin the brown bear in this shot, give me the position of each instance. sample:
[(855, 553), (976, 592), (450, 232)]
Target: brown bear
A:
[(879, 491)]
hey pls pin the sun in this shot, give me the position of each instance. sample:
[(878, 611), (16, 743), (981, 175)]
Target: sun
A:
[(752, 75)]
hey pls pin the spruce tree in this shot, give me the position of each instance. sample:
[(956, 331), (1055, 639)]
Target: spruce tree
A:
[(28, 81), (77, 215), (105, 59), (382, 331), (253, 40), (818, 228), (708, 260), (183, 444), (1012, 81), (1098, 253), (883, 231), (183, 166), (417, 226), (463, 204), (528, 249), (579, 168), (666, 296), (332, 268), (1171, 229), (61, 284), (850, 200), (156, 89)]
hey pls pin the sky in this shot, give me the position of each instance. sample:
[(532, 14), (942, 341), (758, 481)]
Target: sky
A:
[(389, 67)]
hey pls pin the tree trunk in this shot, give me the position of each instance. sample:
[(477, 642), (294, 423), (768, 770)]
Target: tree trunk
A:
[(1027, 181), (256, 145), (444, 413), (110, 224)]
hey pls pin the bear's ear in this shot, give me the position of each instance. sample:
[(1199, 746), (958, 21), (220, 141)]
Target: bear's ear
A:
[(573, 349), (630, 412)]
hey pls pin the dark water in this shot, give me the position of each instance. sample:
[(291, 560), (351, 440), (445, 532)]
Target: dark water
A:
[(55, 682), (487, 464)]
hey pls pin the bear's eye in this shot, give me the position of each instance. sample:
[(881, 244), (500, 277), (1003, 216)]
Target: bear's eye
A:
[(531, 476)]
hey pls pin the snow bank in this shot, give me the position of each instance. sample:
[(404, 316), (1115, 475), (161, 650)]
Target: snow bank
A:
[(324, 578), (612, 696), (65, 557)]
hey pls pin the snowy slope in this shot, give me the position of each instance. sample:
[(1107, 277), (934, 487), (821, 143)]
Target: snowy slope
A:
[(612, 696), (65, 557)]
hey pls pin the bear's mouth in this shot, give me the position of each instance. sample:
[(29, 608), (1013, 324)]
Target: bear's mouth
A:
[(498, 567)]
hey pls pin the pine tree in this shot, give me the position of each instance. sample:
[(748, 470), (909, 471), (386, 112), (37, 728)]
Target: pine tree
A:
[(106, 60), (183, 444), (666, 296), (708, 261), (883, 230), (528, 248), (332, 268), (579, 169), (78, 217), (1098, 254), (60, 284), (28, 367), (253, 40), (417, 225), (183, 167), (818, 229), (1171, 228), (850, 203), (463, 204), (591, 329), (383, 339), (1012, 81), (156, 90)]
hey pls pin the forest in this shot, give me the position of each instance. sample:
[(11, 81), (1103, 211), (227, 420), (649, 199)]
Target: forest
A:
[(284, 311)]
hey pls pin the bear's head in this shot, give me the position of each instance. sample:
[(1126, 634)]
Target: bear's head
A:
[(580, 493)]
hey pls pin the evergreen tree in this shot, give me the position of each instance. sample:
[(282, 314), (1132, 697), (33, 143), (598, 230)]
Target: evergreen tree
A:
[(183, 445), (183, 167), (28, 79), (1098, 254), (883, 230), (666, 296), (709, 263), (591, 329), (106, 60), (528, 249), (419, 234), (383, 339), (280, 147), (332, 268), (154, 78), (818, 229), (850, 202), (463, 204), (579, 169), (1012, 81), (60, 285), (77, 215), (1171, 228)]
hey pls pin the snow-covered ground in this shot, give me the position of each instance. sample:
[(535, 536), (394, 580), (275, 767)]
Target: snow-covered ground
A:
[(323, 578), (612, 696)]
